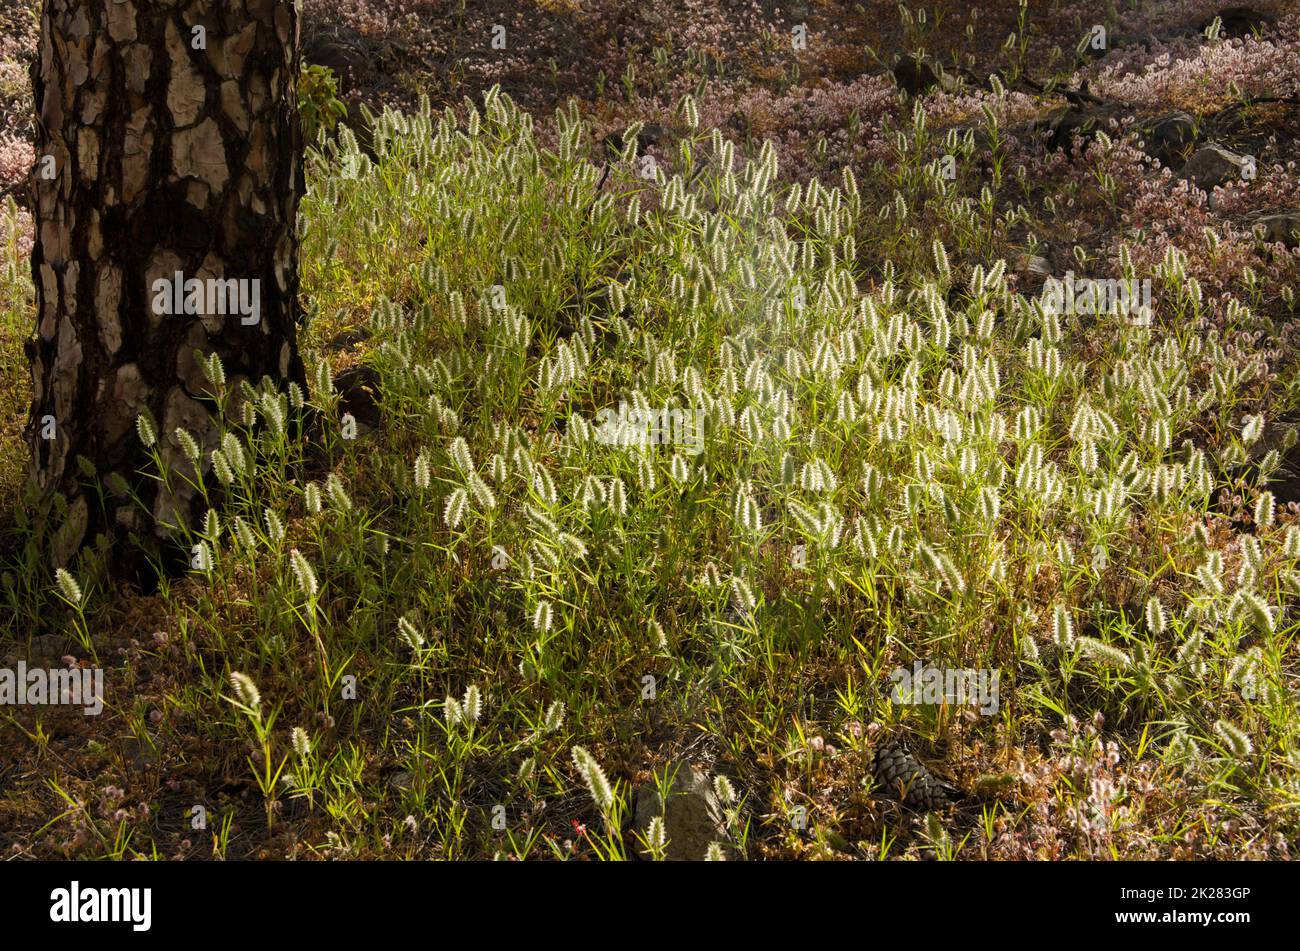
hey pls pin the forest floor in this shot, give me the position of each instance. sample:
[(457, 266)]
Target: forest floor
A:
[(485, 625)]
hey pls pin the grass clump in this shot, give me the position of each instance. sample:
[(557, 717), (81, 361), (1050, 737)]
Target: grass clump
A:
[(864, 448)]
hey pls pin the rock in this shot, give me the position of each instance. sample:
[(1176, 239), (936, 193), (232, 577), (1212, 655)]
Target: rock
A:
[(1067, 123), (140, 754), (1033, 270), (695, 817), (1212, 166), (358, 389), (652, 133), (1169, 138), (1240, 21), (1285, 483), (1283, 227), (48, 647), (346, 56), (348, 339), (1033, 265), (919, 75), (915, 76)]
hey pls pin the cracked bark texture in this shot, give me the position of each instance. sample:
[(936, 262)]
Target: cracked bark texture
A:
[(175, 149)]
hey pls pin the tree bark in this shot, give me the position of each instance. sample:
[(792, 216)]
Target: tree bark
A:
[(173, 131)]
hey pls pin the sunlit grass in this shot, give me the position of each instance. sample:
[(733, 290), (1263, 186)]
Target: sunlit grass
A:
[(902, 459)]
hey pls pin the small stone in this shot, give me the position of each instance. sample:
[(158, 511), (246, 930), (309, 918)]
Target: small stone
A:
[(1034, 265), (1283, 227), (348, 339), (346, 56), (1033, 271), (1067, 123), (358, 389), (1239, 21), (1169, 137), (914, 75), (652, 133), (694, 819), (1212, 166), (47, 647)]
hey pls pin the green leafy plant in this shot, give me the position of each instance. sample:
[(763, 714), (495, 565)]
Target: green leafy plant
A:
[(318, 101)]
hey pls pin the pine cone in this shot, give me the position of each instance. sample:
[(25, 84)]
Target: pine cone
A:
[(901, 776)]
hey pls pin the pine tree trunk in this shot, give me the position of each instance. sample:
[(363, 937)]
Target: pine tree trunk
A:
[(175, 145)]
